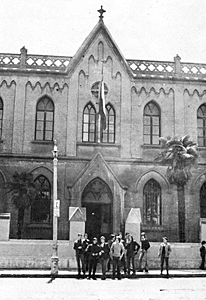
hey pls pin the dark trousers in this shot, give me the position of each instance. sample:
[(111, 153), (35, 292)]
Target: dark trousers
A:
[(92, 266), (129, 259), (104, 266), (116, 266), (80, 263), (109, 264), (86, 261), (202, 266), (124, 264), (166, 260), (143, 256)]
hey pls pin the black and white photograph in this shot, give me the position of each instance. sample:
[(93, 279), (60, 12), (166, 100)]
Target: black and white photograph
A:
[(102, 150)]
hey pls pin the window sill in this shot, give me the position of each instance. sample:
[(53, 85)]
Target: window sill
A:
[(145, 146), (40, 225), (42, 142), (201, 148), (152, 228), (98, 144)]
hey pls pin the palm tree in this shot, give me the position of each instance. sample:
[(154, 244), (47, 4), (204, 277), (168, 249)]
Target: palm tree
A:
[(181, 154), (23, 191)]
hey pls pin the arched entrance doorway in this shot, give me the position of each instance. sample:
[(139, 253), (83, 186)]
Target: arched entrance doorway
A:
[(97, 198)]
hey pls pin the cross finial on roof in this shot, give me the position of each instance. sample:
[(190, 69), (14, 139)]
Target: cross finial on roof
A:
[(101, 11)]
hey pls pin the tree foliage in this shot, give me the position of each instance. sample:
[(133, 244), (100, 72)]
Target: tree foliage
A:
[(181, 154), (23, 189)]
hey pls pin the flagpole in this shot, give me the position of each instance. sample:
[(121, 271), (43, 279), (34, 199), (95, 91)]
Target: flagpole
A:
[(99, 115)]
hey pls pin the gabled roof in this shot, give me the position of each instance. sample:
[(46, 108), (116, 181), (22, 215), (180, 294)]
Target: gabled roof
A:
[(100, 27)]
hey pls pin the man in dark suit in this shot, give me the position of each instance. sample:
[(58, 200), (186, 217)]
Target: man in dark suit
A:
[(79, 249), (202, 254), (93, 251)]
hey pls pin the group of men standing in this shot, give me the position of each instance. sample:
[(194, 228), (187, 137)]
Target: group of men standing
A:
[(118, 251)]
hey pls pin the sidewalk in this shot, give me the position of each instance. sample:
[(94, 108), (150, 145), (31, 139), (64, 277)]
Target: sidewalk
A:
[(28, 273)]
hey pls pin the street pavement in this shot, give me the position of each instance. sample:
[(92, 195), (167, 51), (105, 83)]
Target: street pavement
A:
[(25, 273), (125, 289)]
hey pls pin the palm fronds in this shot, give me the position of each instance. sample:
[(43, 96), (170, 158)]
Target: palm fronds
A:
[(180, 153)]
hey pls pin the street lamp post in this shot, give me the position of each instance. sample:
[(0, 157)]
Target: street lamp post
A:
[(54, 258)]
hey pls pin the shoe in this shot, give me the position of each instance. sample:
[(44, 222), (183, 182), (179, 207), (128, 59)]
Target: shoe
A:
[(88, 278), (119, 278), (94, 278), (146, 271), (78, 276)]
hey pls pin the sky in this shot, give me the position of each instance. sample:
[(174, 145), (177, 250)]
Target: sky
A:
[(142, 29)]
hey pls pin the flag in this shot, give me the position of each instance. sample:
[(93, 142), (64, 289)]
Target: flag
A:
[(102, 109)]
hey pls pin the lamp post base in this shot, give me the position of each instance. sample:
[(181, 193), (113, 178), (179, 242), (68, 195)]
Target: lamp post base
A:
[(54, 266)]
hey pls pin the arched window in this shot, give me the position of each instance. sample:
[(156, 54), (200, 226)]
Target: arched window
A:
[(109, 132), (89, 124), (1, 117), (201, 125), (152, 206), (203, 201), (44, 130), (40, 209), (152, 128)]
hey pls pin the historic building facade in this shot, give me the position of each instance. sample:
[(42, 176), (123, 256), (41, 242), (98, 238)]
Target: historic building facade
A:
[(107, 171)]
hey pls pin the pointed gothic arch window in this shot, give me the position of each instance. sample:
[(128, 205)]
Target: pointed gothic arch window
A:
[(152, 203), (109, 132), (44, 129), (203, 201), (152, 129), (40, 209), (201, 125), (1, 116), (89, 124)]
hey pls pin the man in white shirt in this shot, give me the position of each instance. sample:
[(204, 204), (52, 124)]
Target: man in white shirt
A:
[(116, 252)]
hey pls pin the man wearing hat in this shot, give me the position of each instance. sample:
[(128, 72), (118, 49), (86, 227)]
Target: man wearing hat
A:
[(93, 251)]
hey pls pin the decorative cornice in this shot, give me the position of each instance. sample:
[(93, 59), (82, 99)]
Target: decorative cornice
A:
[(194, 92), (152, 90), (53, 87), (8, 85)]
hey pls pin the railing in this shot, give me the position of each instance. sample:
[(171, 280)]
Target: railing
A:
[(193, 69), (139, 68), (9, 60), (178, 69), (151, 67), (47, 62), (33, 62)]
